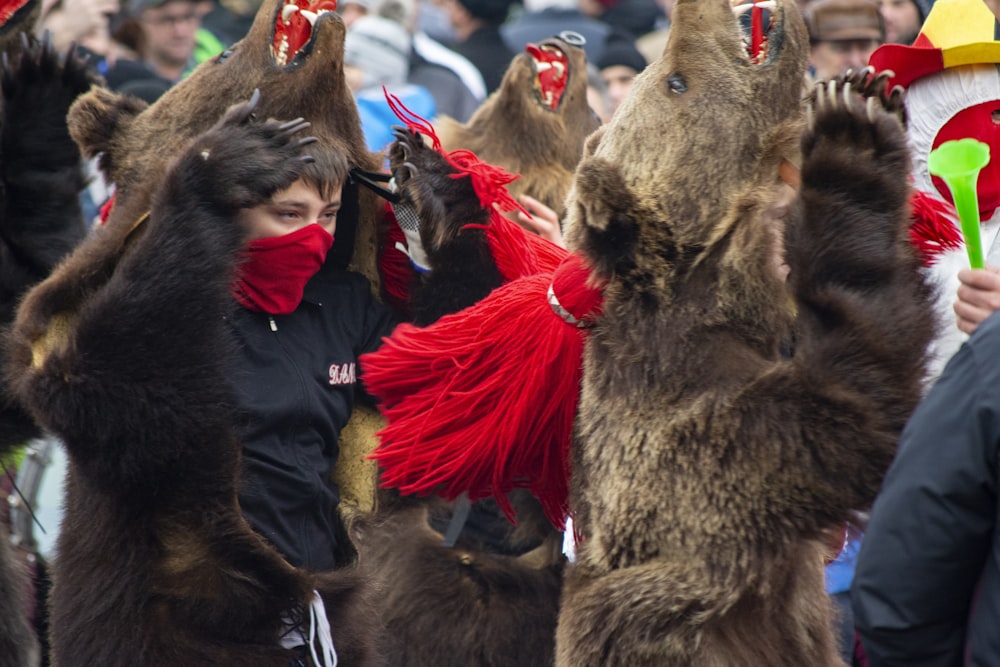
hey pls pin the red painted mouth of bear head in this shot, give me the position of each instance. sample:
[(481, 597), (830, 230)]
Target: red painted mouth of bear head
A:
[(10, 7), (552, 69), (756, 27), (293, 27)]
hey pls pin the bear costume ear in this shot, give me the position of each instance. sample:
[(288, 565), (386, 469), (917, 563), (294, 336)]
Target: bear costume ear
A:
[(600, 220), (601, 193), (99, 115), (593, 141)]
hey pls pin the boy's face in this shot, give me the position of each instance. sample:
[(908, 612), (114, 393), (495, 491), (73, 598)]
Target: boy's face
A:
[(290, 210)]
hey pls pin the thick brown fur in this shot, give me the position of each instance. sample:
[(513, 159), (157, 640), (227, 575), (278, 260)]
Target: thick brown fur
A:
[(136, 144), (462, 270), (455, 607), (515, 130), (18, 645), (155, 563), (41, 177), (706, 465), (471, 605), (123, 353)]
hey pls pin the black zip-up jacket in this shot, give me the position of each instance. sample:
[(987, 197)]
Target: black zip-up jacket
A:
[(926, 590), (295, 381)]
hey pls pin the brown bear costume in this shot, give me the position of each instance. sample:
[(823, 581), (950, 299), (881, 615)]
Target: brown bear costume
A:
[(155, 563), (706, 464), (41, 220), (491, 608), (473, 603), (535, 124), (707, 459)]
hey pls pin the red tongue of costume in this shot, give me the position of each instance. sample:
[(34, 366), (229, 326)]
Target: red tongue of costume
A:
[(8, 8), (757, 49), (552, 66), (483, 400), (292, 30)]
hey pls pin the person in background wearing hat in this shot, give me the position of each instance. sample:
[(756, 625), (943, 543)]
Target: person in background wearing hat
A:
[(927, 585), (632, 18), (620, 63), (542, 19), (377, 54), (476, 24), (903, 19), (843, 34), (454, 82)]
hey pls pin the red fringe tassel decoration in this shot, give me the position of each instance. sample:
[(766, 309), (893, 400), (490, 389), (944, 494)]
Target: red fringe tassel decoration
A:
[(394, 266), (519, 252), (483, 401), (934, 229)]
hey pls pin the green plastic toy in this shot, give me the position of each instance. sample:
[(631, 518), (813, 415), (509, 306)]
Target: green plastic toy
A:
[(959, 163)]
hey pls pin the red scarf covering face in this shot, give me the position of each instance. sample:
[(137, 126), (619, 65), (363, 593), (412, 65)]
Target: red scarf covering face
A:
[(276, 269)]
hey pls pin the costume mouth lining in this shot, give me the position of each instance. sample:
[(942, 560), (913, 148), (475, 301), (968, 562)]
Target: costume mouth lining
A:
[(552, 70), (758, 29), (293, 28), (9, 10)]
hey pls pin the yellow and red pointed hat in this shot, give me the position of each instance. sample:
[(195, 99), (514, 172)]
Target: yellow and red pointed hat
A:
[(955, 33)]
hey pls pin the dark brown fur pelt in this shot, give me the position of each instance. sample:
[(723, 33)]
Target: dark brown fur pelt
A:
[(703, 511), (18, 645), (136, 143), (462, 268), (446, 607), (42, 177), (155, 563), (515, 129), (467, 606), (123, 353)]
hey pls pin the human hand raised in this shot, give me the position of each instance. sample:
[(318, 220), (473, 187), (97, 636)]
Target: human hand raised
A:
[(978, 297), (543, 220)]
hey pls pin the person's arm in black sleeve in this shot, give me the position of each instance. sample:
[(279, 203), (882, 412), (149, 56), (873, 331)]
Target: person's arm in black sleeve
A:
[(933, 521), (379, 322)]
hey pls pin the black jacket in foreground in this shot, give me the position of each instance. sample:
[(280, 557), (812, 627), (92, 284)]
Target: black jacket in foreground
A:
[(295, 381), (927, 585)]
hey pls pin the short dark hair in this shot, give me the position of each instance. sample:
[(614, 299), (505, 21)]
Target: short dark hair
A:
[(329, 170)]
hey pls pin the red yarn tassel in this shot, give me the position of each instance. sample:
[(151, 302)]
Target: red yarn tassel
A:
[(394, 266), (482, 401), (933, 229), (517, 251)]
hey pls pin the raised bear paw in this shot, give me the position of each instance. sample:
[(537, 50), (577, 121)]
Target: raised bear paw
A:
[(241, 162), (855, 187), (852, 124), (424, 179), (36, 80), (873, 85)]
